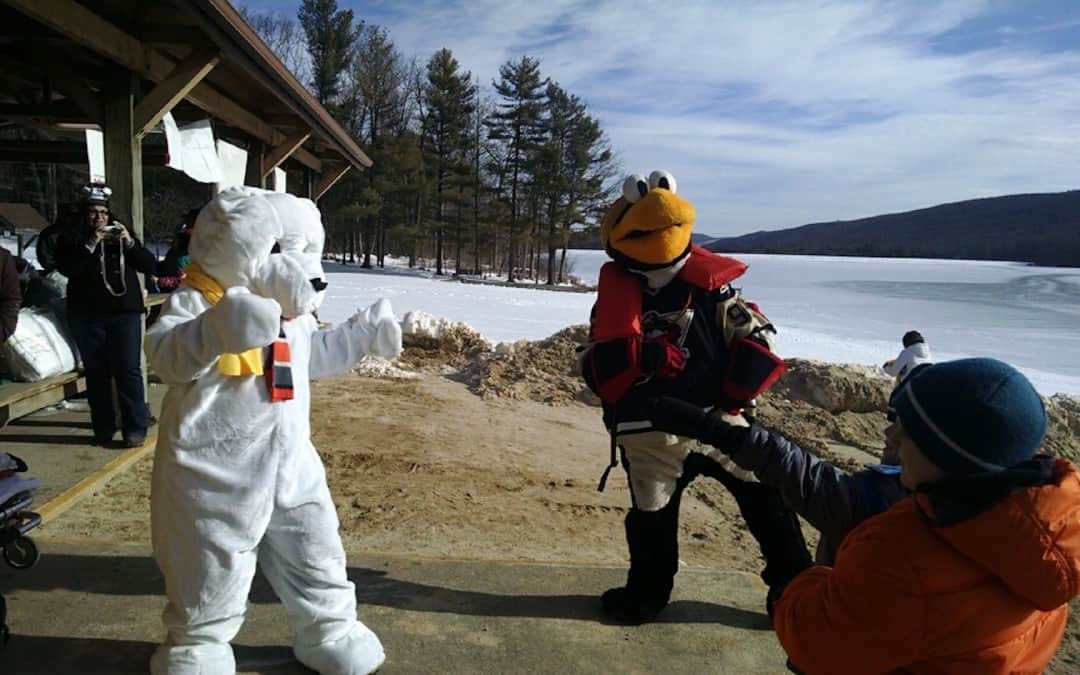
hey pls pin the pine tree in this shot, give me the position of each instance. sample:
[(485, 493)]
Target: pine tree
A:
[(330, 39), (450, 100), (373, 99), (515, 123)]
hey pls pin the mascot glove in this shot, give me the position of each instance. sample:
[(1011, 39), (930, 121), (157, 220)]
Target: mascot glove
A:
[(283, 278), (377, 326), (682, 418), (242, 321), (663, 358)]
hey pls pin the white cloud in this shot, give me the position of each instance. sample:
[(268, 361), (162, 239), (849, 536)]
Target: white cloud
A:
[(774, 114)]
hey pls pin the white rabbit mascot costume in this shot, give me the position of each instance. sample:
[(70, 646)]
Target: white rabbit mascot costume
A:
[(236, 478)]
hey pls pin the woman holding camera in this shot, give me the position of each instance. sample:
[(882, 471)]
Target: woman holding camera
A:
[(105, 308)]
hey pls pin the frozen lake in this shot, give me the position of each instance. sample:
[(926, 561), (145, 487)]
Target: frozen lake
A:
[(851, 310), (856, 309)]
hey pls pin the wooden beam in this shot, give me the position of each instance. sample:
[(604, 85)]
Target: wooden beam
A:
[(283, 151), (75, 89), (327, 181), (78, 23), (254, 176), (65, 152), (57, 112), (184, 77), (88, 29), (169, 34), (309, 160)]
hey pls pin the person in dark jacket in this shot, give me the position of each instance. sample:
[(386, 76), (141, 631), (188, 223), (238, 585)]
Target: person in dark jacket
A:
[(829, 498), (49, 238), (105, 307), (10, 295)]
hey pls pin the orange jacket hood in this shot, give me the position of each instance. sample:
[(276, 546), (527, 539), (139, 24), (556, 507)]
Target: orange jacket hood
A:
[(1031, 540)]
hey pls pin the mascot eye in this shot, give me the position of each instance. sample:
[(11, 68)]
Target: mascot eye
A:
[(662, 179), (634, 188)]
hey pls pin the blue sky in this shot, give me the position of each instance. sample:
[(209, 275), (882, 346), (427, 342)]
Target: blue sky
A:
[(773, 114)]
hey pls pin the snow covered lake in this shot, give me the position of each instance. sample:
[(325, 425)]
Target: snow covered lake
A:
[(850, 310)]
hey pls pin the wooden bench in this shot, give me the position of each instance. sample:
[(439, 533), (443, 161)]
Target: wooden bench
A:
[(155, 299), (22, 398)]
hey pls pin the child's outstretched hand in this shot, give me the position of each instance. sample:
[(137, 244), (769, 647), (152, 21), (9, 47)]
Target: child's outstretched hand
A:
[(682, 418)]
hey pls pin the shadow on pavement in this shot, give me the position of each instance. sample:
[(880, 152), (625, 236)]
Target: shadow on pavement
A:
[(136, 575)]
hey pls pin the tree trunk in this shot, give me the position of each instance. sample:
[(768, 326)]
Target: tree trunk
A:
[(551, 256), (438, 252), (368, 240), (457, 236), (382, 243), (379, 240)]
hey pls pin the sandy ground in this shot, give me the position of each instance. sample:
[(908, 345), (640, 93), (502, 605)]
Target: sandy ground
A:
[(425, 467), (465, 454)]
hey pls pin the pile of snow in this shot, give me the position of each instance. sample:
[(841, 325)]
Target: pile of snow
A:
[(419, 325), (435, 344), (376, 367)]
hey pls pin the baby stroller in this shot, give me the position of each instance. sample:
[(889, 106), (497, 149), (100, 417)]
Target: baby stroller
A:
[(16, 495)]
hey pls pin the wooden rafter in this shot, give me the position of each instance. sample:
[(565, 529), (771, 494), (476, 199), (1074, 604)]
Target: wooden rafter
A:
[(65, 152), (77, 91), (184, 77), (283, 151), (328, 179), (93, 32)]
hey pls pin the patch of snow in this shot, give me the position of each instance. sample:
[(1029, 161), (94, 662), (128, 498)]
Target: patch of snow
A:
[(374, 366)]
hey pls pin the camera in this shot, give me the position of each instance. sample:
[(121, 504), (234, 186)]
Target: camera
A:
[(113, 231)]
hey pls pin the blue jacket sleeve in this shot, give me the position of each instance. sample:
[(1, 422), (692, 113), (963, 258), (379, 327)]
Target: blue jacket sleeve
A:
[(825, 495)]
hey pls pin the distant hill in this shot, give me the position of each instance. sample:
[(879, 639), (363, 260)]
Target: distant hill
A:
[(591, 240), (1039, 228)]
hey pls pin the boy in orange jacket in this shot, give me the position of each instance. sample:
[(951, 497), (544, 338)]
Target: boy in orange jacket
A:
[(972, 574)]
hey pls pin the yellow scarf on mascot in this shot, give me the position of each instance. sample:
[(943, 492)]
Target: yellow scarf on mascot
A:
[(230, 365)]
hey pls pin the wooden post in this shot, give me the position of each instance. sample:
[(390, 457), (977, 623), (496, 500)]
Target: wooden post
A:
[(123, 153), (254, 176), (123, 168)]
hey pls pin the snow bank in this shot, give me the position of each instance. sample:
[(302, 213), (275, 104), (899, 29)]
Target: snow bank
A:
[(420, 324)]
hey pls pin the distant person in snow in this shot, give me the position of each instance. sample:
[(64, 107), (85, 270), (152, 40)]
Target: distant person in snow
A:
[(915, 353)]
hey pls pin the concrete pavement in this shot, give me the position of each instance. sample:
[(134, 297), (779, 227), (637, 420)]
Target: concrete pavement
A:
[(94, 608)]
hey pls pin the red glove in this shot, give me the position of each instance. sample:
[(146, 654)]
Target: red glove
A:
[(663, 358)]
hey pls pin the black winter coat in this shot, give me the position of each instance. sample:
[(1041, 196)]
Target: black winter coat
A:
[(91, 274)]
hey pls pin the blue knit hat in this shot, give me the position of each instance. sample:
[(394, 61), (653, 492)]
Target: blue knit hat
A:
[(972, 415)]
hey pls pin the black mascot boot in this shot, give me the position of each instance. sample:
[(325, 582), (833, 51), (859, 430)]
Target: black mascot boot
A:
[(654, 560)]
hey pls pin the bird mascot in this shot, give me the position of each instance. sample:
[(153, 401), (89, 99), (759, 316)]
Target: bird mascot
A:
[(667, 322)]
